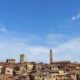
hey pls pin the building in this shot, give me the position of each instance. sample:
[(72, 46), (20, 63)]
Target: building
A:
[(10, 61), (51, 57), (62, 70), (22, 58)]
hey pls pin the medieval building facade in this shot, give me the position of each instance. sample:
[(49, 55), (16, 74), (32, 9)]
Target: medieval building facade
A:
[(65, 70)]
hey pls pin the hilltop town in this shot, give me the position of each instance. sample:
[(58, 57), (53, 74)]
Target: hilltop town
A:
[(62, 70)]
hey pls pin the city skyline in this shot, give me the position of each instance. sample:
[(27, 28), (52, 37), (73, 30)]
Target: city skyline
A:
[(33, 27)]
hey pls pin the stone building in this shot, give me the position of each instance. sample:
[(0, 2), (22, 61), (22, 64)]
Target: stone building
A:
[(6, 77), (10, 61), (1, 69), (8, 70), (63, 70)]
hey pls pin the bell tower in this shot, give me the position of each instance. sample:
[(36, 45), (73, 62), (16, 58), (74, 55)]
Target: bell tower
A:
[(51, 56), (22, 58)]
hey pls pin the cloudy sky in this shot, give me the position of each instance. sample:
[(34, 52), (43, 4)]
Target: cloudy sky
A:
[(33, 27)]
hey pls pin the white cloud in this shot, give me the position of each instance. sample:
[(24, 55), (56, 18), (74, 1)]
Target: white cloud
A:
[(12, 46), (53, 38), (73, 44), (3, 28), (14, 49), (75, 17), (69, 50)]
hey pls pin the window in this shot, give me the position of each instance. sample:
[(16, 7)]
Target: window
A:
[(8, 71)]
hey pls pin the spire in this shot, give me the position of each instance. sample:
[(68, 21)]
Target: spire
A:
[(51, 56)]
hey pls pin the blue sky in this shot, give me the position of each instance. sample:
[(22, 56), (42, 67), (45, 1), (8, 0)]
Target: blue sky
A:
[(33, 27)]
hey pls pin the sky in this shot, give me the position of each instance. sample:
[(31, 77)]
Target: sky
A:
[(32, 27)]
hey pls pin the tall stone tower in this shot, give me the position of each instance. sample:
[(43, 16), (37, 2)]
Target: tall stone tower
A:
[(22, 58), (51, 57)]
